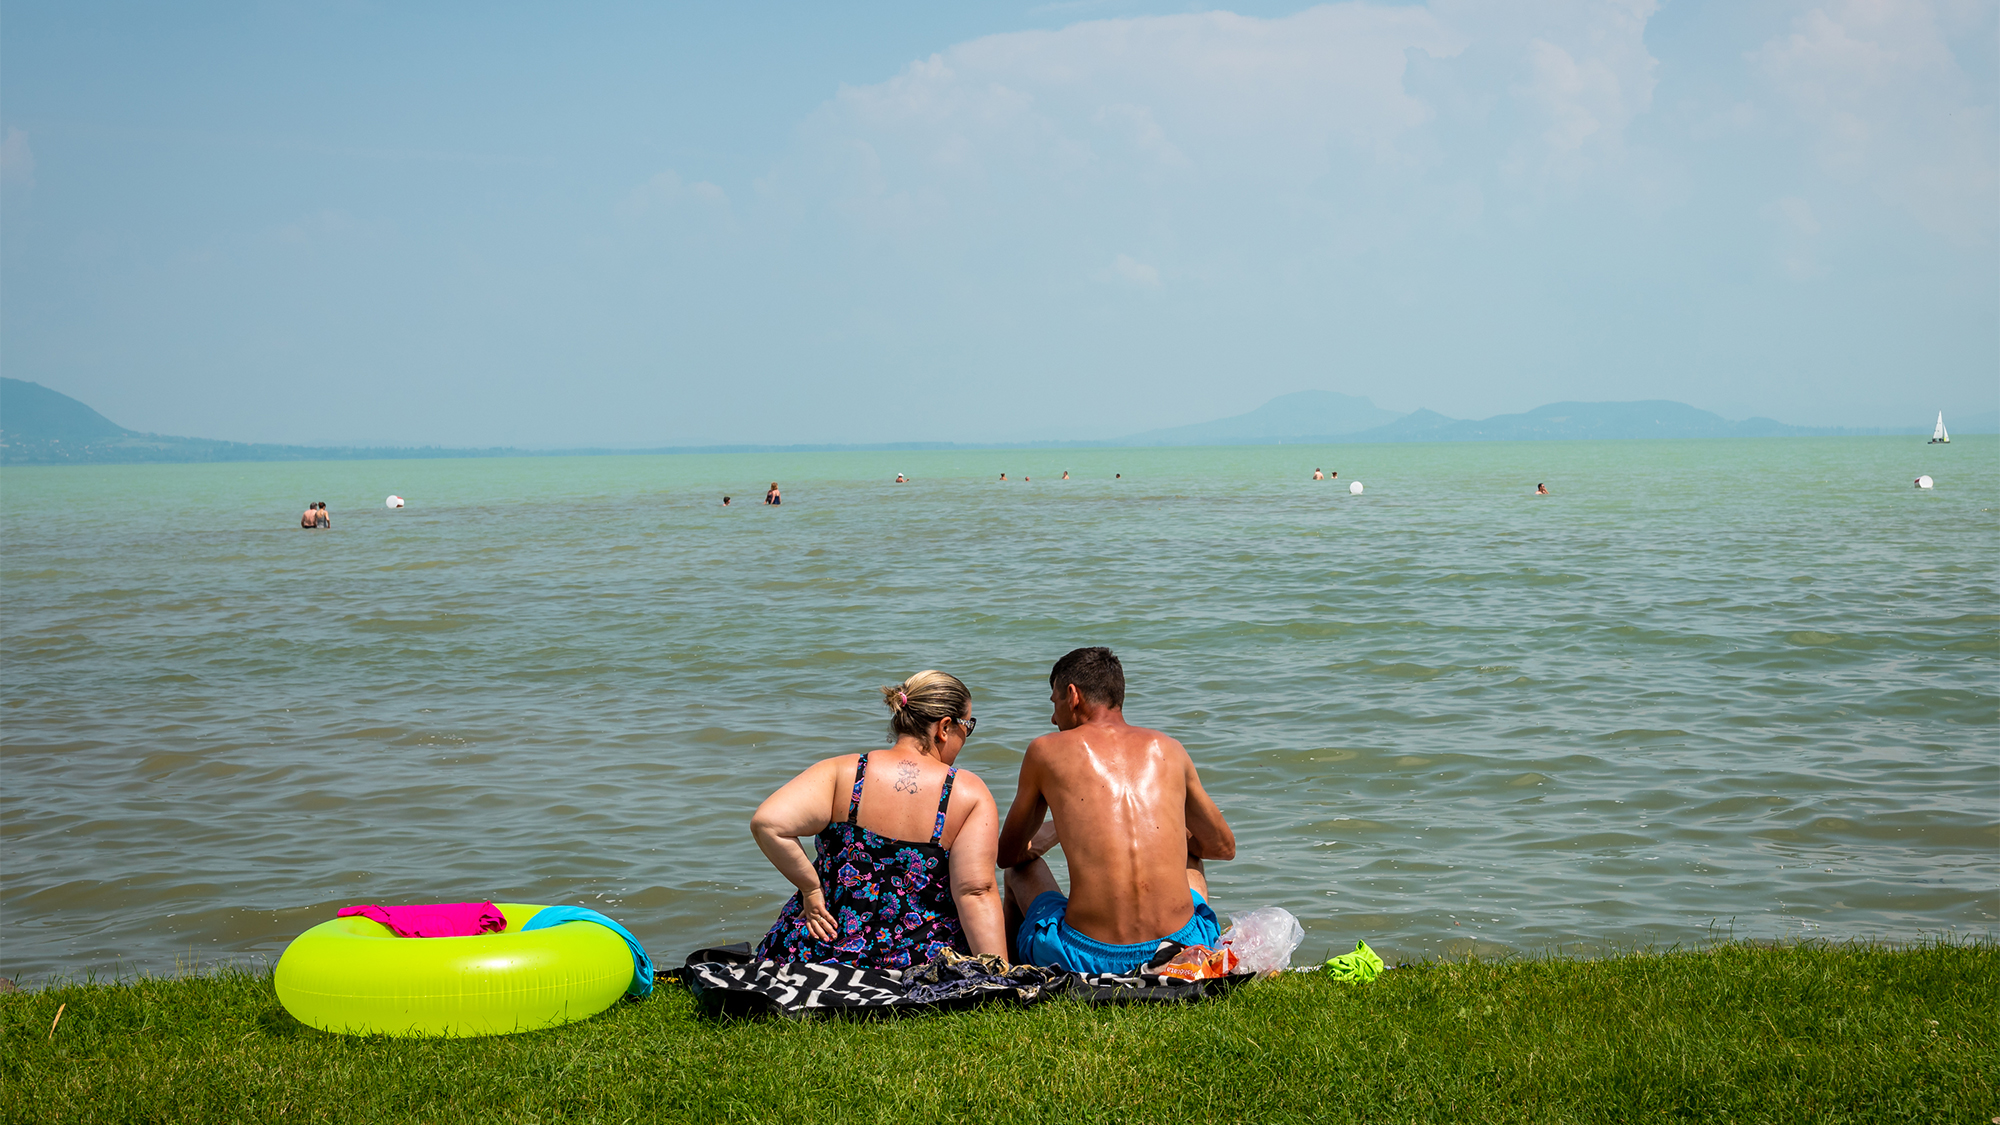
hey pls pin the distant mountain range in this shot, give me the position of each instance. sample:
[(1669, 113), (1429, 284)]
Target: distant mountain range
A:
[(1323, 417), (1314, 416), (39, 426)]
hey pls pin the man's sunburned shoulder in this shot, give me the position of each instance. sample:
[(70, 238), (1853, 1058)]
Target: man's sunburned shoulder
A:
[(1124, 734)]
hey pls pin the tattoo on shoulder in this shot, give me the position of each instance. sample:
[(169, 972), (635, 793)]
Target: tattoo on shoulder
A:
[(906, 777)]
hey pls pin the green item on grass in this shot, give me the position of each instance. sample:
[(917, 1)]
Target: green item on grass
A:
[(1359, 966)]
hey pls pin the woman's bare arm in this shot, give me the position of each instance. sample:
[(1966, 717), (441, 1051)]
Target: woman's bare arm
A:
[(972, 883), (800, 807)]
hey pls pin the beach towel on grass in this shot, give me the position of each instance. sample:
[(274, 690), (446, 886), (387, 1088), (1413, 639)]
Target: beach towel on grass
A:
[(728, 982)]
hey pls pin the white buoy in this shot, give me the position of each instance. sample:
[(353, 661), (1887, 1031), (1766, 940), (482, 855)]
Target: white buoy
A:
[(1355, 488), (1924, 482), (395, 501)]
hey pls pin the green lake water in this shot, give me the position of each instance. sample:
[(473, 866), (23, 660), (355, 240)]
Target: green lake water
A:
[(1704, 688)]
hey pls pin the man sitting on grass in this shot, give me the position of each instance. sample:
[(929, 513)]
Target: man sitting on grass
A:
[(1132, 819)]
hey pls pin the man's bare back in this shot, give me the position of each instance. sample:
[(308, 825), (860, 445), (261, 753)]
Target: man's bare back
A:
[(1130, 814)]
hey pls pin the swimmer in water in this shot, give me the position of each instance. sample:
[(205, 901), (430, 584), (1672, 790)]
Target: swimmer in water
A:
[(1003, 478), (725, 501), (1317, 475), (322, 520), (1117, 476), (1541, 490), (772, 496), (1065, 474), (900, 478), (309, 519)]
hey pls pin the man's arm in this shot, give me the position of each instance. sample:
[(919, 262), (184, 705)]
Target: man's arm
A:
[(1209, 836), (1024, 816)]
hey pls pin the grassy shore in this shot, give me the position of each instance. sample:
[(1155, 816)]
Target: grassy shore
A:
[(1809, 1032)]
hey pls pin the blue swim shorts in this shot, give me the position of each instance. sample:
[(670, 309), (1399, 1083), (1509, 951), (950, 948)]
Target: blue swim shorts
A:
[(1047, 939)]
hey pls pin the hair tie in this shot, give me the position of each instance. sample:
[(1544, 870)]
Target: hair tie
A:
[(902, 699)]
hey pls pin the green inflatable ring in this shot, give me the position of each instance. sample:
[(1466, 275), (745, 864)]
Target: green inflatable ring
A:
[(356, 977)]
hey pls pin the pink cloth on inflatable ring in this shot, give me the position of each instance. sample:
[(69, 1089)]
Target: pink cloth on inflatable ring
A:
[(449, 919)]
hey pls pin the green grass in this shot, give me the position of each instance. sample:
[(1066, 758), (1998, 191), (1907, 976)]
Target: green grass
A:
[(1809, 1032)]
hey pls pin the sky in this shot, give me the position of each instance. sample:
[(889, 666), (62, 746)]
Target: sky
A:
[(643, 225)]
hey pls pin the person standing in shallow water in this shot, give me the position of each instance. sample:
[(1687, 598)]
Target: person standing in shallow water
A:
[(772, 497), (904, 842), (309, 519)]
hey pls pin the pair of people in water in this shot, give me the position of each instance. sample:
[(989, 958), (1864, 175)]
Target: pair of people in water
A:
[(771, 497), (908, 843), (315, 516)]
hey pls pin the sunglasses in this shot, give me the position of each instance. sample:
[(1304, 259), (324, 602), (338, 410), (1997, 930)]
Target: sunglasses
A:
[(966, 724)]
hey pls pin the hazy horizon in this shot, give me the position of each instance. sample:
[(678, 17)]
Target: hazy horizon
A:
[(647, 226), (1295, 418)]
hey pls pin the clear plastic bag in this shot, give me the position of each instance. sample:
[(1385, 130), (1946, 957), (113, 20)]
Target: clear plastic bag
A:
[(1263, 939)]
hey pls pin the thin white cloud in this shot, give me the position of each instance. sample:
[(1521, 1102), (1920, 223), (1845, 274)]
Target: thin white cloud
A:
[(1213, 98), (1798, 237), (1888, 105), (667, 194), (17, 160), (1162, 124), (1124, 268), (1798, 215), (1556, 84)]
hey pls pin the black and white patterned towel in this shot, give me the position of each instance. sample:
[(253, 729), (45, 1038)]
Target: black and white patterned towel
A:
[(728, 982)]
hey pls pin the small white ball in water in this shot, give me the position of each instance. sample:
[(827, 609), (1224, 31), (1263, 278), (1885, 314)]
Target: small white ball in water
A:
[(1354, 488), (395, 501), (1924, 482)]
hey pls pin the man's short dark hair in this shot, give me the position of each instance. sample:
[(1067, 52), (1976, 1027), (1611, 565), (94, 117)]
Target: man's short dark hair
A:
[(1096, 674)]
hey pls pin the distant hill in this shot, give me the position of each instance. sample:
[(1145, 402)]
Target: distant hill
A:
[(39, 426), (1307, 416), (32, 412), (1581, 421)]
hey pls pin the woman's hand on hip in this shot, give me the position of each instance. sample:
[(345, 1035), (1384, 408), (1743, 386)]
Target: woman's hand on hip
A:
[(819, 920)]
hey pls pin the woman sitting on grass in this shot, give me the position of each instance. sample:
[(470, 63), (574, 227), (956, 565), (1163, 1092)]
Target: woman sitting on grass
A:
[(905, 841)]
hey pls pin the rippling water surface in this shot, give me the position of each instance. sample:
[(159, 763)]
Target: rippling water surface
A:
[(1706, 687)]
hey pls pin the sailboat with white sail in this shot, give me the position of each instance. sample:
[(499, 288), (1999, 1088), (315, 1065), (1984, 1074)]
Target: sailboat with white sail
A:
[(1940, 437)]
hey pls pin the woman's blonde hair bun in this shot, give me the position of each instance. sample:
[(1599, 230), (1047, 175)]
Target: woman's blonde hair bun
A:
[(916, 704)]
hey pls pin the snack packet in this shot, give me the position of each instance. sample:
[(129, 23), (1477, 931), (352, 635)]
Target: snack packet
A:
[(1199, 962)]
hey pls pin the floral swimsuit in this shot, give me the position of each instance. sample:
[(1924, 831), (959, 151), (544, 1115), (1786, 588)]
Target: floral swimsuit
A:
[(891, 898)]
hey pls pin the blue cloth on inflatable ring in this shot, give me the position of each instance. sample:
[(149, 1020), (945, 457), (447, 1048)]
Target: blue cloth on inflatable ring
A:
[(642, 965)]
